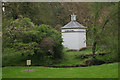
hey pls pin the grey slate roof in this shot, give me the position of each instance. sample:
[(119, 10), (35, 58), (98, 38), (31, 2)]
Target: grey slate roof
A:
[(73, 24)]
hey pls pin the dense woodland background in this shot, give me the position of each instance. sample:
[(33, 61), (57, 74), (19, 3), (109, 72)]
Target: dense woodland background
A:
[(33, 29)]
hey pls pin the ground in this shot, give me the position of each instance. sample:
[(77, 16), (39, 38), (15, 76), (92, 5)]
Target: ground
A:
[(100, 71), (70, 58)]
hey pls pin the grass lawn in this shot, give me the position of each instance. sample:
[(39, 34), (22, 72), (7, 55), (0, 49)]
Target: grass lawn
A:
[(69, 57), (100, 71), (0, 72)]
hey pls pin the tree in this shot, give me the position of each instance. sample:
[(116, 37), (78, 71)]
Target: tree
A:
[(39, 13), (103, 21), (54, 14), (22, 35)]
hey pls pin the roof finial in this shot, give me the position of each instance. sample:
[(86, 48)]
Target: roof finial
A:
[(73, 17)]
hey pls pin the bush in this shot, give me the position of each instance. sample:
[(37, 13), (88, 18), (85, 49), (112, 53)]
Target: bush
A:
[(108, 57), (48, 40), (92, 61), (14, 29), (37, 42)]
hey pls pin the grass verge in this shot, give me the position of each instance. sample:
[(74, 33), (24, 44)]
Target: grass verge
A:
[(100, 71)]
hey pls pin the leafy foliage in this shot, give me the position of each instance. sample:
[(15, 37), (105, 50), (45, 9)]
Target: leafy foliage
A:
[(13, 30), (35, 41), (24, 34), (104, 28)]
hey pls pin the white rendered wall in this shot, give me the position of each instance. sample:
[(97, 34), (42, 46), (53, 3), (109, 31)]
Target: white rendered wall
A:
[(74, 38)]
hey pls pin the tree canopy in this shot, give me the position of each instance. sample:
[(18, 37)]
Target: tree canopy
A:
[(34, 28)]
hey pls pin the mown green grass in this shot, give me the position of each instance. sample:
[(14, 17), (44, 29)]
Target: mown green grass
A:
[(0, 72), (100, 71)]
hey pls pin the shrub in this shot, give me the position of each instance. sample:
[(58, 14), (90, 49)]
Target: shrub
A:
[(14, 29), (48, 40), (108, 57), (37, 42), (92, 61)]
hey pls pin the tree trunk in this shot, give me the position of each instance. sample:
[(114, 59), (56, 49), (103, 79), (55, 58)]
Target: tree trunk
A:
[(93, 49)]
